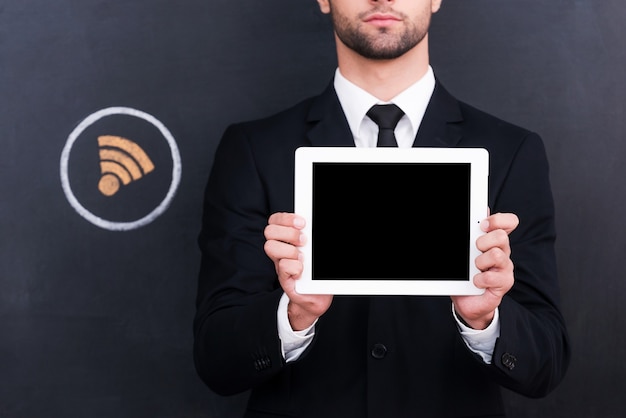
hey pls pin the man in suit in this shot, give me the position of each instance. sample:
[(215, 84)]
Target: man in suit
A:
[(380, 356)]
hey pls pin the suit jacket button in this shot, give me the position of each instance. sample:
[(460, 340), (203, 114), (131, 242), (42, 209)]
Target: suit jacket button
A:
[(379, 351), (508, 360)]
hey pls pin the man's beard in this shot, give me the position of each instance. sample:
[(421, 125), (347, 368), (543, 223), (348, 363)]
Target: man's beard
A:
[(384, 45)]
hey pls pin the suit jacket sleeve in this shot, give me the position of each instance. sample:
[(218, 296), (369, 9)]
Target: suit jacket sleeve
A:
[(236, 342), (532, 353)]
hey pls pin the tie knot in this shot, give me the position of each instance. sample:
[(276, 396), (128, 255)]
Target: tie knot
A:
[(385, 116)]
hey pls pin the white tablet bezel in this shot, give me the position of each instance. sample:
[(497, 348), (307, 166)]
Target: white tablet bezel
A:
[(306, 157)]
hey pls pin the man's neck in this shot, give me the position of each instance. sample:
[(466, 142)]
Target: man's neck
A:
[(384, 79)]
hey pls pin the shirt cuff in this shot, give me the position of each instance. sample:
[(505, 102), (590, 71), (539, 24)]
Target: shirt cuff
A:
[(481, 342), (293, 343)]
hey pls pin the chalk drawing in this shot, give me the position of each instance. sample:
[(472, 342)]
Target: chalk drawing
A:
[(67, 150)]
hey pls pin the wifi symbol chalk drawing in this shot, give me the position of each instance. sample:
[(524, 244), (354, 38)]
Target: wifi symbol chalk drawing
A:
[(120, 114), (121, 161)]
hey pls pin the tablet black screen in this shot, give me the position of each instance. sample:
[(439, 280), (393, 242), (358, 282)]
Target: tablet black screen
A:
[(400, 221)]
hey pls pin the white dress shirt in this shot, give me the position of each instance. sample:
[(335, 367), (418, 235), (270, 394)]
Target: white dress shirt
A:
[(355, 103)]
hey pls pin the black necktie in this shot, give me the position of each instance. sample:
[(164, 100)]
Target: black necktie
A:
[(386, 117)]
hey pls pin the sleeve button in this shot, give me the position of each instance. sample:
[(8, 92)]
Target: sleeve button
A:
[(379, 351), (508, 360)]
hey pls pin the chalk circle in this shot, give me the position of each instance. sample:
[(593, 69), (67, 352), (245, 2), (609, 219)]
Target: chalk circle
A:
[(65, 157)]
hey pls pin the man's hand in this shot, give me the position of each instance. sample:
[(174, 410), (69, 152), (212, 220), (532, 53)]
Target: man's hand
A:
[(496, 275), (283, 235)]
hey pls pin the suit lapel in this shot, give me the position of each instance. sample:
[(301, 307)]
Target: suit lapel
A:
[(441, 125), (329, 126)]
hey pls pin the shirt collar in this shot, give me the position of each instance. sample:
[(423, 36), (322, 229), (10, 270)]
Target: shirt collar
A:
[(356, 102)]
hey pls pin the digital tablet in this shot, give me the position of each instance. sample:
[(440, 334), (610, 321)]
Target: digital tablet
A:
[(390, 221)]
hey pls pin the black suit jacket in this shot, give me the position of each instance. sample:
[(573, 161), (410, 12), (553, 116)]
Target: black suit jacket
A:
[(388, 356)]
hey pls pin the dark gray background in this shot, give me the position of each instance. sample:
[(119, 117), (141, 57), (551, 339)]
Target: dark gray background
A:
[(98, 323)]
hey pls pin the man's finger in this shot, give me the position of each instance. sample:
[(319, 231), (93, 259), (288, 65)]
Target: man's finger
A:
[(505, 221), (286, 219)]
